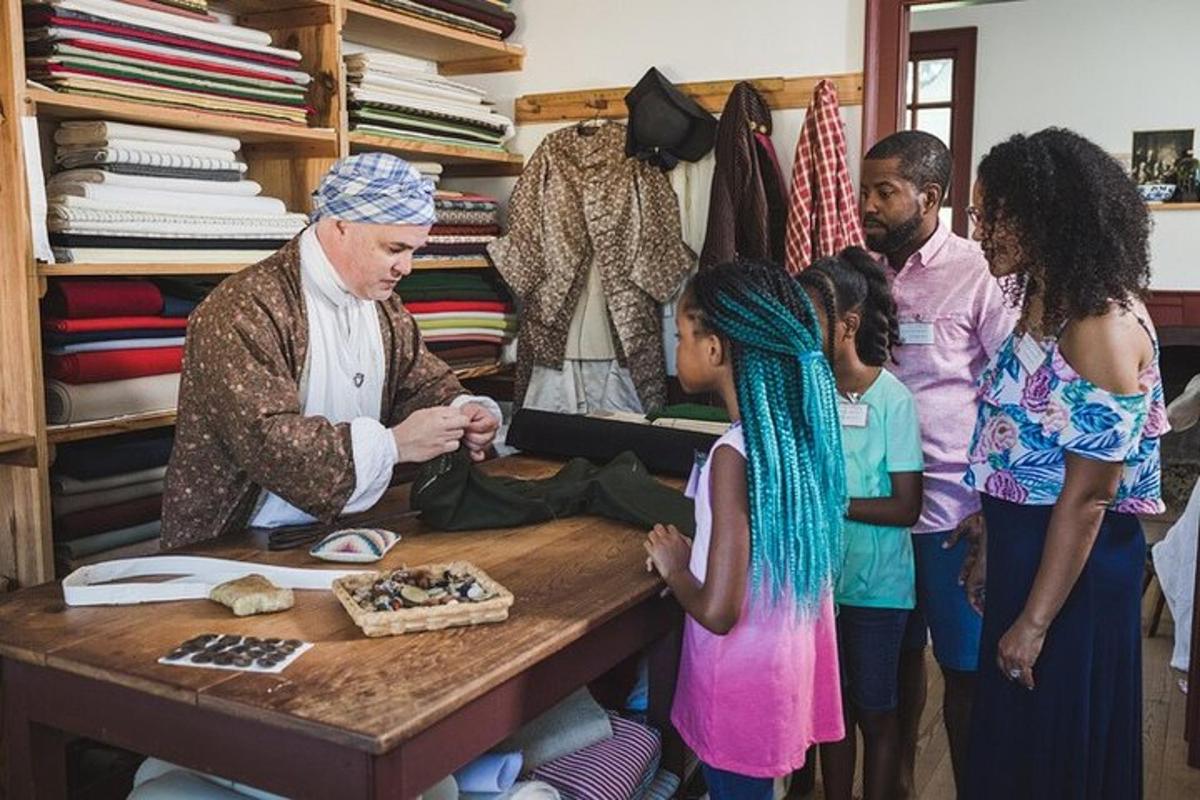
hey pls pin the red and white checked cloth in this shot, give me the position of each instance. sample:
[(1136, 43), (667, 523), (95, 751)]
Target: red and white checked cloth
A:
[(823, 215)]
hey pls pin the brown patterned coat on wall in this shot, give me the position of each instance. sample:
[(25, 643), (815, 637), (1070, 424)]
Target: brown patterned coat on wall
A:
[(581, 200)]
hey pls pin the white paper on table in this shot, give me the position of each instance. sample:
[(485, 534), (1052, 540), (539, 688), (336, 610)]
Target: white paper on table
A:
[(36, 182)]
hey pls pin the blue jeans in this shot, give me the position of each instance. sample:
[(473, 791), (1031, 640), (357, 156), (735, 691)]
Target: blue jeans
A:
[(724, 785), (869, 649)]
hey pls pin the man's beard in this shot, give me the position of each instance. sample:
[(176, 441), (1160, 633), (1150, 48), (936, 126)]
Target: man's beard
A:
[(894, 238)]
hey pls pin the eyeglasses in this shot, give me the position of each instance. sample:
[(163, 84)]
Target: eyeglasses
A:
[(975, 214)]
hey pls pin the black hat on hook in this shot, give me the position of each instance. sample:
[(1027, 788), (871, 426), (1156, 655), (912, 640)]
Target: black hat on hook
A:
[(665, 125)]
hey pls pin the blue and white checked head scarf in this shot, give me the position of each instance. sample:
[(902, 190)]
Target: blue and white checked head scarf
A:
[(374, 187)]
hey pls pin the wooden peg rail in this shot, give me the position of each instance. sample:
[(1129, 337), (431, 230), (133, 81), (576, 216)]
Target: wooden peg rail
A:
[(780, 93)]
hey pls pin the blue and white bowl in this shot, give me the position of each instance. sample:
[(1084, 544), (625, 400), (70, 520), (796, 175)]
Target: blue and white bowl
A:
[(1156, 192)]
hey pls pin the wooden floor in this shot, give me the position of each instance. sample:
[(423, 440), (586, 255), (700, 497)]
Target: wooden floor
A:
[(1168, 776)]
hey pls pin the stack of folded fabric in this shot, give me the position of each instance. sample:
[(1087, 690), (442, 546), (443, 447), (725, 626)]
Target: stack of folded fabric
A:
[(586, 753), (107, 497), (466, 224), (179, 57), (139, 194), (113, 348), (405, 98), (491, 18), (465, 316)]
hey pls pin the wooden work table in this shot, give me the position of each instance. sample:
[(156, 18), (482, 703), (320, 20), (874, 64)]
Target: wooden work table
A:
[(353, 717)]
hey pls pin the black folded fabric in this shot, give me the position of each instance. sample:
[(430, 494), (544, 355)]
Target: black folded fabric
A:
[(150, 242), (226, 175), (664, 451), (452, 494), (115, 455)]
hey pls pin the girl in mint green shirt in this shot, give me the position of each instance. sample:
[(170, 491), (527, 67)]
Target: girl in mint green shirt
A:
[(881, 442)]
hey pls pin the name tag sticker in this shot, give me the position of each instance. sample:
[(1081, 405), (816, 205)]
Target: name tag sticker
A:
[(854, 415), (916, 333), (1030, 354)]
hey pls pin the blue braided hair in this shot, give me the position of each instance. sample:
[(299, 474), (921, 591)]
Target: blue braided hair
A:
[(788, 401)]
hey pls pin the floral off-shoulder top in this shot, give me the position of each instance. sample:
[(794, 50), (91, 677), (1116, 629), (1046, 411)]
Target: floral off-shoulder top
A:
[(1029, 420)]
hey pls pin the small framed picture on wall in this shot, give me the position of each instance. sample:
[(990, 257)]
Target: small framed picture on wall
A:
[(1156, 152)]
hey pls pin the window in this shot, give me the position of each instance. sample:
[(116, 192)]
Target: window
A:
[(939, 99)]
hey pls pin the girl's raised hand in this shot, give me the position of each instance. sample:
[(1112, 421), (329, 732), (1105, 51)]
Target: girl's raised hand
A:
[(669, 551)]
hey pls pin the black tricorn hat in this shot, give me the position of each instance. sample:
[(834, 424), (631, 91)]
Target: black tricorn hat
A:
[(665, 125)]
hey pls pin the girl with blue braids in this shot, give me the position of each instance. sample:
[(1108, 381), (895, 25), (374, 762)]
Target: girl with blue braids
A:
[(758, 676)]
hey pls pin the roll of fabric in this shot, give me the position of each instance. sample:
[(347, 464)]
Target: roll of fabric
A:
[(573, 724), (114, 365), (491, 772), (112, 323), (72, 503), (90, 299), (108, 518), (609, 770), (98, 543), (126, 452), (178, 306), (115, 344), (66, 484), (69, 403)]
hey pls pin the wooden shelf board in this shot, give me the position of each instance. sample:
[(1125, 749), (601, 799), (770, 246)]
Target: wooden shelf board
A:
[(464, 158), (1174, 206), (450, 263), (110, 270), (59, 105), (18, 449), (79, 431), (457, 52)]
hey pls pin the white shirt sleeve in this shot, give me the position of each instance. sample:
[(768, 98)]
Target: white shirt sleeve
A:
[(491, 405), (375, 454)]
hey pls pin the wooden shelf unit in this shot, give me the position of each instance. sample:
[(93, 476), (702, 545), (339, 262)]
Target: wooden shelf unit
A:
[(1174, 206), (79, 431), (457, 52), (287, 160), (142, 270), (459, 160), (18, 449)]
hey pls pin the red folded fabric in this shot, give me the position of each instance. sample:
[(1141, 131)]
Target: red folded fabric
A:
[(444, 306), (465, 230), (114, 365), (125, 32), (175, 61), (455, 337), (59, 325), (107, 518), (90, 299)]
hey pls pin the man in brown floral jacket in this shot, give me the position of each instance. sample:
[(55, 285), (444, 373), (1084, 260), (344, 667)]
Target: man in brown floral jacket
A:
[(304, 379)]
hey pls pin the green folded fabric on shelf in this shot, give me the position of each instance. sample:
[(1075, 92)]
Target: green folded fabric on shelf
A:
[(400, 120), (454, 495), (695, 411), (209, 85), (417, 295), (379, 130)]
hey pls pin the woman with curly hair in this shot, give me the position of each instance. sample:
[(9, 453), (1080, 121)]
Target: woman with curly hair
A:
[(1065, 455)]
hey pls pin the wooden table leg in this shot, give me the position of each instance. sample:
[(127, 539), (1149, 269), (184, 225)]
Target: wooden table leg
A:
[(35, 755)]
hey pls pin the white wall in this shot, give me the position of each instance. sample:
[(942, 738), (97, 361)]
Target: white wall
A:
[(1104, 68), (582, 44)]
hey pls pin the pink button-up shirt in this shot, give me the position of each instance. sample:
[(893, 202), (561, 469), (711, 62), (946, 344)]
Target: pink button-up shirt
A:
[(947, 284)]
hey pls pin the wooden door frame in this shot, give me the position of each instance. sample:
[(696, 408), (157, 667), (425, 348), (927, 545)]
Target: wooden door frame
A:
[(958, 44), (885, 62)]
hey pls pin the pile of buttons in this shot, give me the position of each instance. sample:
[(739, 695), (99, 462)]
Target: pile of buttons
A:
[(234, 651), (419, 588)]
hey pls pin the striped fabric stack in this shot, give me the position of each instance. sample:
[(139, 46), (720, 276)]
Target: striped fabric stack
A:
[(466, 224), (137, 194), (106, 497), (465, 316), (490, 18), (113, 348), (175, 55), (405, 98)]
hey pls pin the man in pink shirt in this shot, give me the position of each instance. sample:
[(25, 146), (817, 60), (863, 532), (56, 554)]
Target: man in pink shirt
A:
[(953, 317)]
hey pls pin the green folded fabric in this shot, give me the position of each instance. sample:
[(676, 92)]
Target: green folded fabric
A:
[(209, 85), (695, 411), (396, 119), (414, 136), (465, 322), (417, 295), (98, 543), (454, 495)]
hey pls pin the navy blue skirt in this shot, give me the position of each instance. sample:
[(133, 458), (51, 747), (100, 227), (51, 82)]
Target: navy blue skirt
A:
[(1078, 734)]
